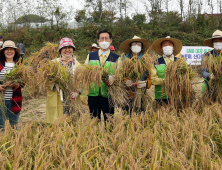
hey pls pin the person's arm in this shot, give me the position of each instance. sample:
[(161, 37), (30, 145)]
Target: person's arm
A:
[(2, 87), (205, 73), (149, 80), (87, 60), (155, 80)]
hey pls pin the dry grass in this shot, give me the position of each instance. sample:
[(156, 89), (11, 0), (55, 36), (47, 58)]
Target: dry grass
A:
[(131, 69), (154, 140), (213, 65), (164, 138), (177, 84), (85, 75), (48, 52)]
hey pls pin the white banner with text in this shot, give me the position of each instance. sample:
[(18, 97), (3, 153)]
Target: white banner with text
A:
[(194, 54)]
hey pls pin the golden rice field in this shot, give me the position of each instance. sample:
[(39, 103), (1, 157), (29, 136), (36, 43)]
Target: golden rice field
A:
[(158, 139)]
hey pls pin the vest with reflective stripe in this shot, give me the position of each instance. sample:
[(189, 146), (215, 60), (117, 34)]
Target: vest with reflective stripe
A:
[(109, 65)]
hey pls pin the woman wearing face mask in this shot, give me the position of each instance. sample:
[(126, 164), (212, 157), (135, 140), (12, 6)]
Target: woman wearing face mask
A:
[(167, 48), (216, 43), (12, 97), (56, 101), (135, 48)]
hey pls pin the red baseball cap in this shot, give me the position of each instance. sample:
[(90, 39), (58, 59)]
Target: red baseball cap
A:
[(112, 48)]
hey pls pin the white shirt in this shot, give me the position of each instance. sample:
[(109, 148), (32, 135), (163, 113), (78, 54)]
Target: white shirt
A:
[(9, 90), (104, 52)]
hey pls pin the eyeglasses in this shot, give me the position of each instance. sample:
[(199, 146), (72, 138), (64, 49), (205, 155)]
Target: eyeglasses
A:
[(136, 43), (102, 38)]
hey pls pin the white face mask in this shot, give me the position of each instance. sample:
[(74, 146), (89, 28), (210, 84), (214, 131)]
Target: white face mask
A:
[(1, 43), (218, 45), (104, 45), (136, 49), (168, 50)]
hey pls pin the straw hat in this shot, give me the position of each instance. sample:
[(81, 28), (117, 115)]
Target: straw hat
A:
[(157, 45), (125, 46), (93, 45), (11, 44), (209, 42)]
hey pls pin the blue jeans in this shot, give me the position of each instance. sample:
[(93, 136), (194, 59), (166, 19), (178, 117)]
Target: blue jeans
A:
[(6, 113)]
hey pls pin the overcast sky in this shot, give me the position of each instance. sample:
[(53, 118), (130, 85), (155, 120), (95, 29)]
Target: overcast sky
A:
[(138, 5)]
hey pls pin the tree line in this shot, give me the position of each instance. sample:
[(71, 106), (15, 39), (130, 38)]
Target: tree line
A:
[(191, 22)]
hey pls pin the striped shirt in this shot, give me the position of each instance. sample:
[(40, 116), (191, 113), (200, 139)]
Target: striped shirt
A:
[(9, 90)]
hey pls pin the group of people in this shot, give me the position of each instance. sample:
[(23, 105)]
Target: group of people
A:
[(167, 48)]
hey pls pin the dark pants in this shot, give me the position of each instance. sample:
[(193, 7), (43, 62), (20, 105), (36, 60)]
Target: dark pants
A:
[(98, 103), (129, 108), (162, 101), (6, 113)]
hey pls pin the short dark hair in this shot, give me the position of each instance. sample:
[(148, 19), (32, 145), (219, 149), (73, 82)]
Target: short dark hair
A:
[(104, 31), (3, 58), (1, 37)]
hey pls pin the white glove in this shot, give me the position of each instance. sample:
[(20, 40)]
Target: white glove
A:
[(141, 84), (61, 95), (74, 95), (212, 76), (80, 90), (54, 87), (129, 83), (110, 80)]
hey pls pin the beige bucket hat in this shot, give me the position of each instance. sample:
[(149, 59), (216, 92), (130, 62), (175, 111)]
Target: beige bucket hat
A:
[(157, 45), (11, 44), (125, 46), (93, 45), (209, 42)]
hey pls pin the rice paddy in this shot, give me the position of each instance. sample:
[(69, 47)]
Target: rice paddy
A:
[(157, 138)]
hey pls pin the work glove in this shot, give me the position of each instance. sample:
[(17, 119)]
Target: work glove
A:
[(110, 80), (74, 95), (141, 84), (129, 83), (211, 76), (80, 90), (55, 87)]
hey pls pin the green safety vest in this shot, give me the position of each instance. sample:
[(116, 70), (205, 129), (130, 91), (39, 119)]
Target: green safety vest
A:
[(97, 90)]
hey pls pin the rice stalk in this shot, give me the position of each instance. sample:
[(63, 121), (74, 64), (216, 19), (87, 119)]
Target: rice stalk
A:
[(133, 69), (213, 65), (177, 84), (86, 75), (48, 52)]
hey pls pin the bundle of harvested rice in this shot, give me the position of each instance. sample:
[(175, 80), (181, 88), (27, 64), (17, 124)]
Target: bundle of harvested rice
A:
[(54, 72), (130, 69), (22, 74), (177, 84), (85, 75), (48, 52), (213, 65), (118, 95)]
